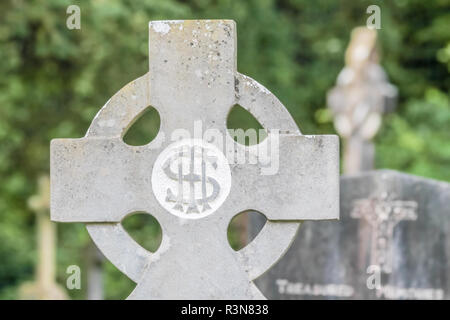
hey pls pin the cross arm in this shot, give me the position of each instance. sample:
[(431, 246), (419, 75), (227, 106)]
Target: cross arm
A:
[(98, 179), (305, 186)]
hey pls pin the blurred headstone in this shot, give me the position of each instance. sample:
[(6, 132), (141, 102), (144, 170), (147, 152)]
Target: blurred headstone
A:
[(186, 185), (44, 287), (405, 256), (361, 95)]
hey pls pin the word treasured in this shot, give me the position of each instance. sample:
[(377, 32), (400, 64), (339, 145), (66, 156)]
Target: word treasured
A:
[(298, 288)]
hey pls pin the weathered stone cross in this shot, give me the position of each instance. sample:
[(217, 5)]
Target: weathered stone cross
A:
[(99, 179)]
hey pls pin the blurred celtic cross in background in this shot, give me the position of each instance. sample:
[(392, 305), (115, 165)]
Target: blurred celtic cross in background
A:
[(362, 94), (189, 185), (45, 286)]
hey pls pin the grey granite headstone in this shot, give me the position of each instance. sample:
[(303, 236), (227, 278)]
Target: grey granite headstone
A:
[(392, 242)]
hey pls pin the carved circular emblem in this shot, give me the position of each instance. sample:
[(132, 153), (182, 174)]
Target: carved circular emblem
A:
[(191, 178)]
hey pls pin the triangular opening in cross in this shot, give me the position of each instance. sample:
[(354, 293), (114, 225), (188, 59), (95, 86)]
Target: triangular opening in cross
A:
[(240, 118), (239, 233), (144, 229), (144, 129)]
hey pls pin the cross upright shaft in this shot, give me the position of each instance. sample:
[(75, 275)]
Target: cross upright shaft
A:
[(192, 67)]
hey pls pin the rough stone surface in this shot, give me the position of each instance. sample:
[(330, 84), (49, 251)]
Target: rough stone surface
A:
[(99, 179), (407, 219)]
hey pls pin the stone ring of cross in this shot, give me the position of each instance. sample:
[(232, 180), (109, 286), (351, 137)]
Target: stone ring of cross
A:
[(99, 179)]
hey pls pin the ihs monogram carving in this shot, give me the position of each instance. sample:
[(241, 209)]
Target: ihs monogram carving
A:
[(191, 178)]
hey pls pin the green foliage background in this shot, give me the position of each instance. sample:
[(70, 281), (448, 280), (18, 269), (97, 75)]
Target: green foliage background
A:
[(54, 80)]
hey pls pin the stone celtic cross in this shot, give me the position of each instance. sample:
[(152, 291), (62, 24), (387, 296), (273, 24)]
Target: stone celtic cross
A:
[(188, 185)]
